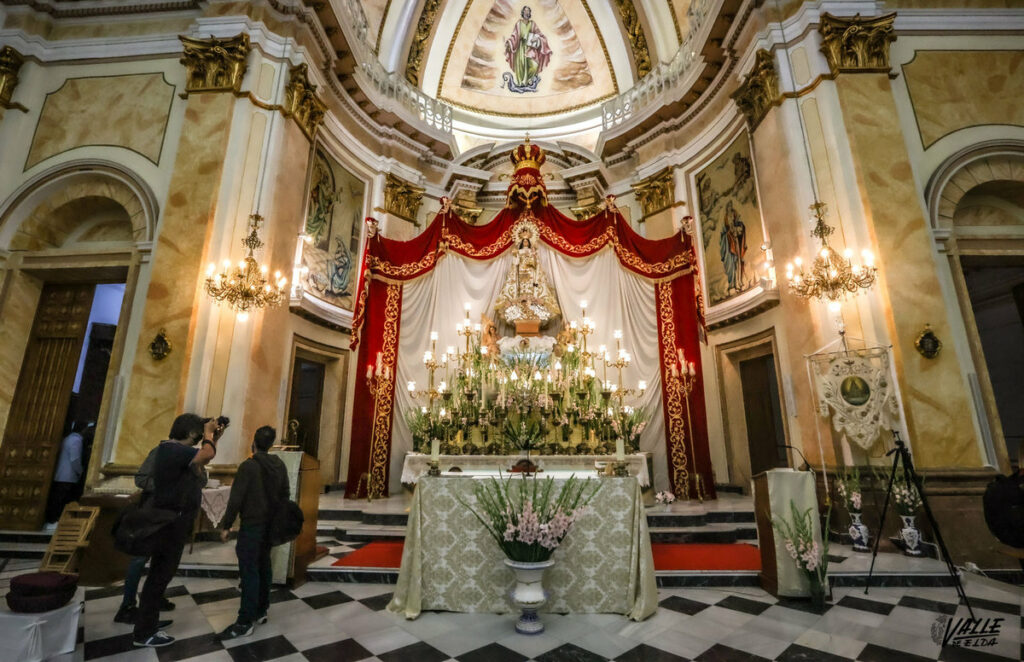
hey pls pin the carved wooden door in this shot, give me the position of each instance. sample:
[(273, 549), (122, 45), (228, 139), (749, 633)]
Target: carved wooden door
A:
[(32, 440)]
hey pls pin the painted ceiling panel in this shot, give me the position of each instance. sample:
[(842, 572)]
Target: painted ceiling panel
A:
[(526, 58)]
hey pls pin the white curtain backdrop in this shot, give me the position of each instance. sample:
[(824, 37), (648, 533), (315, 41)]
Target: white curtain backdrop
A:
[(616, 299)]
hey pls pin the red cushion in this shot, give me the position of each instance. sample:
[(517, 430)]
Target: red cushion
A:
[(43, 583), (35, 604)]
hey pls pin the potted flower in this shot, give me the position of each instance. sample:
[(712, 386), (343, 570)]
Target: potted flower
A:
[(529, 519), (665, 498), (810, 557), (849, 491), (908, 501)]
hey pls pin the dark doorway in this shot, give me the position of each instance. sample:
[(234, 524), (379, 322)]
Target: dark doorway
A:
[(996, 288), (763, 412), (306, 402)]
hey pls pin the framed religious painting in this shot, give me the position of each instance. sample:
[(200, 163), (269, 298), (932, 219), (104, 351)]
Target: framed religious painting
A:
[(335, 207), (729, 218)]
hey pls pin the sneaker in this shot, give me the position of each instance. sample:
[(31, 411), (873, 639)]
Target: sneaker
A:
[(126, 614), (261, 619), (158, 640), (166, 605), (236, 630)]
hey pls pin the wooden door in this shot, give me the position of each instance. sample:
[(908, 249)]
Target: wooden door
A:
[(32, 440), (763, 414), (306, 402)]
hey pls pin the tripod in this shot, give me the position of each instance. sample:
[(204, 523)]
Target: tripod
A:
[(902, 455)]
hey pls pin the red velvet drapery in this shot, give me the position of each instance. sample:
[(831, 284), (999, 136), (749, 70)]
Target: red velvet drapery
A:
[(387, 263)]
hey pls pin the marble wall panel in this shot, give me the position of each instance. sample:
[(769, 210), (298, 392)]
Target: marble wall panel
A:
[(952, 90), (123, 111), (935, 396), (156, 389)]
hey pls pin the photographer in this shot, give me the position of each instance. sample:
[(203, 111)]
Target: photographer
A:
[(178, 479), (260, 486)]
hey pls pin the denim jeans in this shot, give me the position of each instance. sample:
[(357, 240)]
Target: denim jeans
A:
[(131, 580), (253, 550)]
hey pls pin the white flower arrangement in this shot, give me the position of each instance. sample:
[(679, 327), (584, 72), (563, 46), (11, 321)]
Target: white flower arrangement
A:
[(906, 496), (849, 492), (664, 497), (810, 556)]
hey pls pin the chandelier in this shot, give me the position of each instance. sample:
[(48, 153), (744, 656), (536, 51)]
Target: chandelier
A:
[(246, 286), (832, 276)]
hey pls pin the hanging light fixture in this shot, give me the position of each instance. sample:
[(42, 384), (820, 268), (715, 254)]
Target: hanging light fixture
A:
[(831, 276), (246, 286)]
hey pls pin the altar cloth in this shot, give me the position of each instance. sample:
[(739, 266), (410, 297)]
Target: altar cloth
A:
[(450, 562), (417, 464)]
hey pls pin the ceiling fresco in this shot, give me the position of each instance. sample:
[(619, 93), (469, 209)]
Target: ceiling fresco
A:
[(523, 58)]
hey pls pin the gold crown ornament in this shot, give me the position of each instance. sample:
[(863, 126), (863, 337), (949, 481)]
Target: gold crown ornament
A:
[(527, 156)]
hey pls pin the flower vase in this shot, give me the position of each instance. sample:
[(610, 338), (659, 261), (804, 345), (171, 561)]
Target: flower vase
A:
[(858, 533), (817, 596), (911, 536), (666, 507), (528, 594)]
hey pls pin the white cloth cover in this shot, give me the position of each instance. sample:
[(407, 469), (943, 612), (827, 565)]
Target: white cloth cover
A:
[(616, 299), (785, 486), (38, 637), (215, 503)]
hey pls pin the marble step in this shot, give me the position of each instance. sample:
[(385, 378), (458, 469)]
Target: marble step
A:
[(709, 533)]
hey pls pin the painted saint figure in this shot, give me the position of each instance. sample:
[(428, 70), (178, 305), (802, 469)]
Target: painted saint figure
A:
[(732, 246), (527, 53)]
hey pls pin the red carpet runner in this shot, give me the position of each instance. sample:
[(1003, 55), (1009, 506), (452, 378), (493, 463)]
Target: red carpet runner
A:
[(667, 556)]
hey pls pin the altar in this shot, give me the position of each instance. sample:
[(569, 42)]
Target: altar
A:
[(451, 563), (417, 464), (535, 335)]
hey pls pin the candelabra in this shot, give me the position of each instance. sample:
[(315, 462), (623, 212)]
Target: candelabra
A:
[(378, 376), (686, 374)]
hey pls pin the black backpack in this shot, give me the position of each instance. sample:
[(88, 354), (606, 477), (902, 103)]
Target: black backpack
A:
[(284, 517), (1004, 509), (140, 529)]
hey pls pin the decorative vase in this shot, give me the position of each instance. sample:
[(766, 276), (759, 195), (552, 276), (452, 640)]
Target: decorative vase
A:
[(817, 596), (666, 507), (528, 594), (858, 534), (911, 536)]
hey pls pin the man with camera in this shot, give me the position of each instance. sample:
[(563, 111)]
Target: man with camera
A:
[(259, 489), (178, 479)]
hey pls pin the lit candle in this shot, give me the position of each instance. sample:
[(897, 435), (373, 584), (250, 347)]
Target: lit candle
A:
[(483, 351), (693, 370), (642, 385), (617, 334), (369, 372), (620, 450), (433, 335), (435, 449), (467, 306), (411, 386), (476, 328), (441, 389)]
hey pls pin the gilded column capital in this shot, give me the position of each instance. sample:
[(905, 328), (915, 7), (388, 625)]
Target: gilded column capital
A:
[(301, 101), (401, 198), (214, 65), (10, 63), (584, 212), (655, 193), (468, 213), (857, 45), (759, 90)]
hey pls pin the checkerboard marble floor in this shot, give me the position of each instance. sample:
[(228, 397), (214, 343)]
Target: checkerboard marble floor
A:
[(336, 622)]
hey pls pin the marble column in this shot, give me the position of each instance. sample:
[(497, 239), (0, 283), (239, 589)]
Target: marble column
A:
[(156, 389), (935, 395)]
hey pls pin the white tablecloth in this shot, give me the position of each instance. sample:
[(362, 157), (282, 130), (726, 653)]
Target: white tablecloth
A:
[(38, 637), (215, 503), (417, 464)]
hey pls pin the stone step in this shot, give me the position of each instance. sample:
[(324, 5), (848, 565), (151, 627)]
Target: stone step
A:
[(710, 533)]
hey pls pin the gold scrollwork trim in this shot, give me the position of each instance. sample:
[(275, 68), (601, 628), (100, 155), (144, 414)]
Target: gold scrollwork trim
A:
[(418, 48), (635, 35), (10, 63), (384, 401), (301, 102), (674, 418), (759, 90)]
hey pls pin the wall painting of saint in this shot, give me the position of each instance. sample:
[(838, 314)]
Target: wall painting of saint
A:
[(730, 223), (333, 220)]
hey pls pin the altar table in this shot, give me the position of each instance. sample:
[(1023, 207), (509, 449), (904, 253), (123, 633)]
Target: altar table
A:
[(416, 465), (450, 562)]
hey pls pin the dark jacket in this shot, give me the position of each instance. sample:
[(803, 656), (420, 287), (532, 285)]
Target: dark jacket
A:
[(249, 496)]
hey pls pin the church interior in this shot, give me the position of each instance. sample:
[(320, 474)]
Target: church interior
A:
[(639, 330)]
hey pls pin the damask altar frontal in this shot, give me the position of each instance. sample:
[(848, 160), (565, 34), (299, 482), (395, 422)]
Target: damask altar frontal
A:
[(450, 563)]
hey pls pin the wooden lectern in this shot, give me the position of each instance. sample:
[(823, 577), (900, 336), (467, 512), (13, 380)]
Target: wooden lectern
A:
[(773, 491), (290, 561)]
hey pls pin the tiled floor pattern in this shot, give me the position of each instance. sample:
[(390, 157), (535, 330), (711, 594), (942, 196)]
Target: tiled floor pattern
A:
[(335, 622)]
